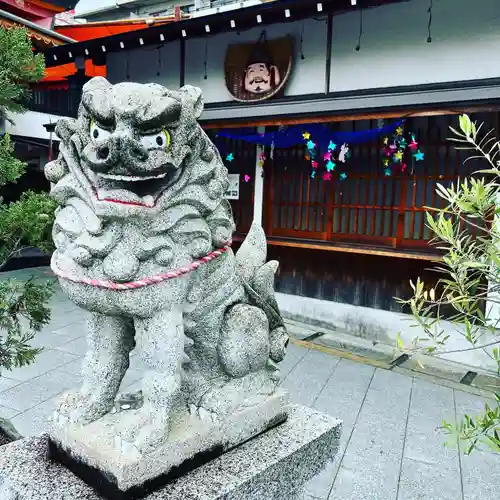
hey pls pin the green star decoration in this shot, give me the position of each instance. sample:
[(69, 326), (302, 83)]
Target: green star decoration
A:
[(343, 176), (330, 166), (332, 146), (310, 145), (419, 155), (230, 157)]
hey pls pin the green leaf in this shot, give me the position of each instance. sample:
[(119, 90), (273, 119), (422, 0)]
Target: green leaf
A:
[(399, 341)]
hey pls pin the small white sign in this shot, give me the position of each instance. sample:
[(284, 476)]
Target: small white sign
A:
[(233, 190)]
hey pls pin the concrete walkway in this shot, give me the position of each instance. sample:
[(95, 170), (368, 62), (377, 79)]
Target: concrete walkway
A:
[(392, 448)]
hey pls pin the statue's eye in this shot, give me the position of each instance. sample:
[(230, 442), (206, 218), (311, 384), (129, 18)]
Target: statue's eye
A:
[(98, 134), (160, 140)]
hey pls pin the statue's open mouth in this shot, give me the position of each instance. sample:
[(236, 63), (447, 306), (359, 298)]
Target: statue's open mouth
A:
[(141, 190)]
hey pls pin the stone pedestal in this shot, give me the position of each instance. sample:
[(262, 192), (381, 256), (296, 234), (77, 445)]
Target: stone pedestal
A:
[(117, 469), (272, 466)]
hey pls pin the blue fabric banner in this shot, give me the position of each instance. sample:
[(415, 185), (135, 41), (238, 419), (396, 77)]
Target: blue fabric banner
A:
[(319, 133)]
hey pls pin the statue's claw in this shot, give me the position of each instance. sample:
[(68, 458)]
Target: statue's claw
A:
[(78, 408)]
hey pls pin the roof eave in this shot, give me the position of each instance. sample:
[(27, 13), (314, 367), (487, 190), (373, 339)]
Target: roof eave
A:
[(195, 27)]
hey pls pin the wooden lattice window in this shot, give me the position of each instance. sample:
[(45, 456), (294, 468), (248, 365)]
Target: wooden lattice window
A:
[(368, 207)]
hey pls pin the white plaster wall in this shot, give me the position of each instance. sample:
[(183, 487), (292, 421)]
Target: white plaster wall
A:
[(144, 65), (308, 75), (465, 44), (334, 313), (30, 124)]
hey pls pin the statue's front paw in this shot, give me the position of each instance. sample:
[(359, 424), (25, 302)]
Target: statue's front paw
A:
[(142, 430), (78, 408)]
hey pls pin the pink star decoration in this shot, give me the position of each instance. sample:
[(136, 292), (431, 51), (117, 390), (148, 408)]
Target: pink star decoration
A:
[(327, 176), (314, 164), (327, 156), (247, 178)]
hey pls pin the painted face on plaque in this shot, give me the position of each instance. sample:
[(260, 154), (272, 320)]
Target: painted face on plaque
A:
[(261, 75)]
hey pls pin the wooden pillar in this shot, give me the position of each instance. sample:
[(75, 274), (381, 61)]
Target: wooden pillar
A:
[(258, 197)]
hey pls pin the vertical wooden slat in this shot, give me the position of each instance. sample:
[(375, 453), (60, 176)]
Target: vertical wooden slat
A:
[(269, 181), (315, 209), (308, 202), (301, 200), (427, 171)]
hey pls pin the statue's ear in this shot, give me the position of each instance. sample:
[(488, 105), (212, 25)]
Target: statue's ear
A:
[(65, 128), (96, 83), (194, 97)]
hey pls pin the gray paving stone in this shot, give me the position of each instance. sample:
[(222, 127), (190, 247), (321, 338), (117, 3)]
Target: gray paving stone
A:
[(58, 380), (481, 469), (423, 481), (74, 367), (76, 346), (7, 382), (481, 476), (44, 362), (293, 356), (34, 422), (77, 328), (29, 394), (425, 440), (371, 464), (309, 376), (7, 412), (26, 396), (343, 395), (368, 484), (49, 340)]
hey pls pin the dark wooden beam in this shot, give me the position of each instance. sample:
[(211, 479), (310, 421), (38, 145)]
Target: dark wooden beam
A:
[(328, 65), (182, 66)]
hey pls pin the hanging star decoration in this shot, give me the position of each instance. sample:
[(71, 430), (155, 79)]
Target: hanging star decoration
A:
[(331, 157), (343, 176), (247, 178), (399, 151), (312, 153), (419, 156), (398, 156), (230, 157), (413, 144)]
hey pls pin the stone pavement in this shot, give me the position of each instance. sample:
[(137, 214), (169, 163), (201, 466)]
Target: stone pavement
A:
[(391, 449)]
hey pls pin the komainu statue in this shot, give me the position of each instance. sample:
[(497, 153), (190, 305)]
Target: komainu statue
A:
[(142, 236)]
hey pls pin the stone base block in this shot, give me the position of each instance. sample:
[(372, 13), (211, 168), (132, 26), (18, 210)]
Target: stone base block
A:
[(274, 465), (117, 469)]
